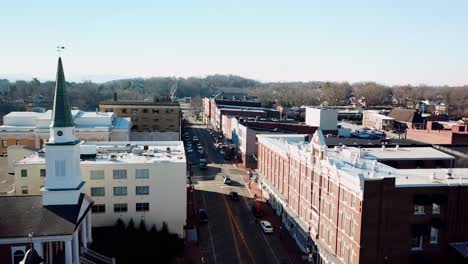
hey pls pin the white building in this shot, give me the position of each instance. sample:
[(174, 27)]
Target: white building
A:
[(127, 180), (323, 118), (59, 221), (32, 128)]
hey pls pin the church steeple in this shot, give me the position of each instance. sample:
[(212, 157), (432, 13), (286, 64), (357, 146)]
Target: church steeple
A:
[(63, 183), (61, 115)]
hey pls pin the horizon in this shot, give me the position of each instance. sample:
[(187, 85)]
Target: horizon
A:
[(396, 43)]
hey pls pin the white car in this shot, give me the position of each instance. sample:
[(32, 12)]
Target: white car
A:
[(189, 150), (222, 152), (266, 227)]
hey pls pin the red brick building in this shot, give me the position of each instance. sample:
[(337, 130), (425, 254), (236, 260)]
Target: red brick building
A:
[(351, 208), (437, 133)]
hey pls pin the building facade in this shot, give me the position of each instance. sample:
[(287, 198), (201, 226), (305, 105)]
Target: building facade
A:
[(347, 207), (31, 129), (55, 226), (373, 119), (126, 180), (147, 116)]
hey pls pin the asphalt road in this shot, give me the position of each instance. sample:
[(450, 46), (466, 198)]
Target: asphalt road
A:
[(232, 234)]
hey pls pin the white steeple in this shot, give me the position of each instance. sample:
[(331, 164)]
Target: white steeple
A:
[(63, 182)]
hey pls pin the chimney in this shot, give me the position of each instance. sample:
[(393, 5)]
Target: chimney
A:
[(115, 96)]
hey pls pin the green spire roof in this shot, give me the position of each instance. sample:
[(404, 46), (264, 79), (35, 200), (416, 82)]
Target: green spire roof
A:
[(61, 115)]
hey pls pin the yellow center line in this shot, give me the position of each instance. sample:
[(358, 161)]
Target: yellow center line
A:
[(232, 230), (233, 219)]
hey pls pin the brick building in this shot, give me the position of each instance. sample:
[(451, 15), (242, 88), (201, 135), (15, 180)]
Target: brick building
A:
[(348, 206), (146, 116), (439, 132)]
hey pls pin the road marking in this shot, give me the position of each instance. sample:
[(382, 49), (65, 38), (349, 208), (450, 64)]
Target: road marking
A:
[(239, 232), (209, 230), (232, 231)]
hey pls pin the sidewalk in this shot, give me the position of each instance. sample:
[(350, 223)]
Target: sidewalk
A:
[(288, 242), (192, 252)]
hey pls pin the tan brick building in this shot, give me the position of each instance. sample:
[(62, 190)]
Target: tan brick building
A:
[(146, 116)]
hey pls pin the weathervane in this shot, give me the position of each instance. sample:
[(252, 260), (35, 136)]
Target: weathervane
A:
[(60, 49)]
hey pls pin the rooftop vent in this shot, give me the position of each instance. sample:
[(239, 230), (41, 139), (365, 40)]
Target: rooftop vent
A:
[(145, 147), (113, 157), (168, 150)]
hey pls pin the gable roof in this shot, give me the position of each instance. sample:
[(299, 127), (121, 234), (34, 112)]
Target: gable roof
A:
[(405, 115), (23, 215)]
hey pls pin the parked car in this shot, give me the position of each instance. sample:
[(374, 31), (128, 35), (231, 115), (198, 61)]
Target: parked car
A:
[(226, 180), (189, 150), (202, 215), (234, 196), (266, 227)]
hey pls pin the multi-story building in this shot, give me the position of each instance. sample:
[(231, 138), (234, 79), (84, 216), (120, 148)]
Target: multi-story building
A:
[(31, 129), (243, 134), (348, 206), (374, 119), (126, 180), (54, 227), (147, 116)]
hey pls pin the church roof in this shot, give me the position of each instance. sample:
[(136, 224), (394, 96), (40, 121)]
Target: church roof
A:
[(61, 115), (28, 215)]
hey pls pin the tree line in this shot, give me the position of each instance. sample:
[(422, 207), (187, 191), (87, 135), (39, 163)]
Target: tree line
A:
[(87, 95)]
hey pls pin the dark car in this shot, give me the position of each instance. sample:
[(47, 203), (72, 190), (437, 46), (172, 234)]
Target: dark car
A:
[(234, 196), (202, 215)]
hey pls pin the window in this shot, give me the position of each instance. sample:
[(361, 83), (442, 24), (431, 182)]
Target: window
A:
[(142, 190), (18, 254), (341, 248), (96, 175), (97, 191), (350, 255), (42, 172), (124, 111), (141, 173), (418, 209), (24, 189), (120, 191), (435, 208), (155, 111), (17, 142), (145, 111), (352, 201), (24, 173), (342, 221), (434, 235), (118, 208), (351, 228), (98, 208), (4, 143), (60, 168), (416, 243), (140, 207), (119, 174)]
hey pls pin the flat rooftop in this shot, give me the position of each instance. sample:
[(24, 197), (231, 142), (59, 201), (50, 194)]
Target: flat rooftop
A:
[(120, 152), (139, 102), (405, 153)]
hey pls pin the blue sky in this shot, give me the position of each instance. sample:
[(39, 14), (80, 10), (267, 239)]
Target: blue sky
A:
[(392, 42)]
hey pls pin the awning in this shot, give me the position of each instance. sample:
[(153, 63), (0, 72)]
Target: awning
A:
[(437, 223), (439, 199), (419, 229), (421, 199)]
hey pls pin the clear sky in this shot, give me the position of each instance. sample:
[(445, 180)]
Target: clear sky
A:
[(392, 42)]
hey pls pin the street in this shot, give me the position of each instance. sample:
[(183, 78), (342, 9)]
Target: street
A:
[(232, 234)]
